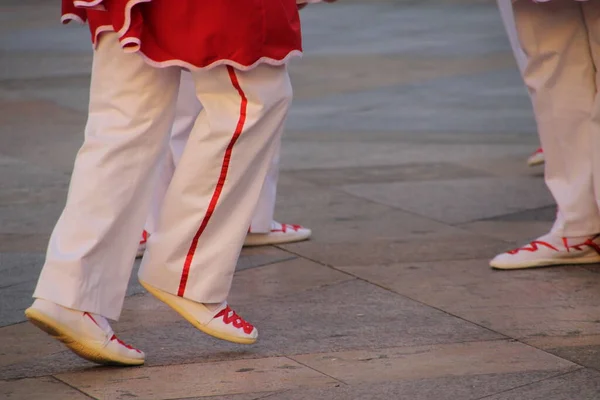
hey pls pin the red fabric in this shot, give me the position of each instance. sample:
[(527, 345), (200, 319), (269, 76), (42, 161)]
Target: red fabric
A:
[(196, 33)]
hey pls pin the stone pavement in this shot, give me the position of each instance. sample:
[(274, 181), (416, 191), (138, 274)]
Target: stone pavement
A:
[(405, 153)]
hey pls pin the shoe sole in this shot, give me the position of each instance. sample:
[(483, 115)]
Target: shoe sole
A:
[(166, 298), (280, 239), (545, 263), (535, 163), (69, 339)]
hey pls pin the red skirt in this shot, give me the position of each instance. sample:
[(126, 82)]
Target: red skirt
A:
[(196, 33)]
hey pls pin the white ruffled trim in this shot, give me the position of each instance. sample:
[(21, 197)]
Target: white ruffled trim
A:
[(129, 41), (99, 30), (130, 4), (96, 5), (86, 4), (236, 65), (71, 17)]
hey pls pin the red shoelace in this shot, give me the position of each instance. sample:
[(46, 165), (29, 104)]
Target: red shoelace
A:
[(535, 245), (285, 227), (231, 317)]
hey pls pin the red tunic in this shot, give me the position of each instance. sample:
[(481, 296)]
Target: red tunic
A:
[(196, 33)]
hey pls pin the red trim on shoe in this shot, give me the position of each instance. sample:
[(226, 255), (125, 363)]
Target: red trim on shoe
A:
[(533, 246), (144, 237), (235, 319), (284, 228), (87, 314), (122, 343), (588, 242), (221, 182)]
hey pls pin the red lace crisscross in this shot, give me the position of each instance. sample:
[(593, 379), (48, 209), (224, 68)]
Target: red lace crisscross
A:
[(285, 227), (534, 246), (230, 317)]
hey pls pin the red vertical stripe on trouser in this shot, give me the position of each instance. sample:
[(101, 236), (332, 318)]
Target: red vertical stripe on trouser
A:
[(220, 183)]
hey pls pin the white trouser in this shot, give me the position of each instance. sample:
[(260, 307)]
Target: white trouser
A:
[(506, 12), (186, 111), (561, 41), (209, 204)]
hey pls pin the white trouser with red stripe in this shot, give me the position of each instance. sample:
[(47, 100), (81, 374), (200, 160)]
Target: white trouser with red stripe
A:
[(561, 40), (209, 204), (186, 111)]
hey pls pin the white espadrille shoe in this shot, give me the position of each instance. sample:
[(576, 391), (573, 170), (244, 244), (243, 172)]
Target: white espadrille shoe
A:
[(87, 335), (279, 234), (550, 250), (221, 322)]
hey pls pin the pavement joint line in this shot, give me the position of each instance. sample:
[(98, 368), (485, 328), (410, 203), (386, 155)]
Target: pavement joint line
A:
[(294, 257), (494, 218), (339, 189), (72, 387), (531, 383), (552, 354), (384, 264), (506, 337), (314, 369)]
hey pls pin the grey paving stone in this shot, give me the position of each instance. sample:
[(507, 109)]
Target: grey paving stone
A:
[(385, 174), (47, 388), (588, 356), (448, 388), (459, 200), (252, 257), (517, 233), (580, 385), (439, 249), (31, 138), (454, 104), (396, 28), (336, 217), (547, 214), (19, 273), (557, 301)]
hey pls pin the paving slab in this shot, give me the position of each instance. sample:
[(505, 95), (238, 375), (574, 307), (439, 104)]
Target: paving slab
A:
[(206, 379), (463, 246), (471, 387), (459, 200), (411, 363), (516, 232), (557, 301), (337, 217), (39, 388), (580, 385)]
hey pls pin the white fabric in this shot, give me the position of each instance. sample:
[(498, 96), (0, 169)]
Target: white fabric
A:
[(186, 111), (561, 76), (92, 248)]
